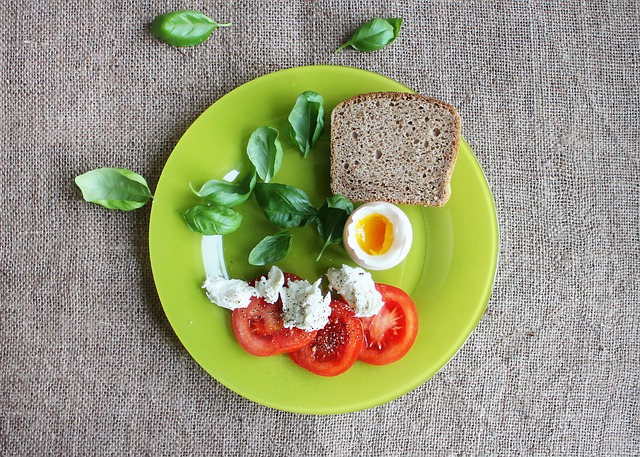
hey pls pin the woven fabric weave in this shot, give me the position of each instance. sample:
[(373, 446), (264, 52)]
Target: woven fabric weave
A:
[(549, 93)]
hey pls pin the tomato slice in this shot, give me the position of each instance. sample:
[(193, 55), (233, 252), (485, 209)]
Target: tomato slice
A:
[(336, 347), (390, 334), (260, 330)]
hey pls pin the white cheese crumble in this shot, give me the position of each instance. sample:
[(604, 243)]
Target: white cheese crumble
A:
[(269, 287), (357, 288), (229, 293), (304, 306)]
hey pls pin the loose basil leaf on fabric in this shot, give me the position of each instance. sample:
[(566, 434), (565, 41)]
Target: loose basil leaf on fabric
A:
[(212, 220), (184, 28), (374, 35), (271, 249), (306, 121), (265, 152), (283, 205), (331, 219), (114, 188), (224, 193)]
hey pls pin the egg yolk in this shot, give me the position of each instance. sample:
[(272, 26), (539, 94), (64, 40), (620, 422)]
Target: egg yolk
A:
[(374, 234)]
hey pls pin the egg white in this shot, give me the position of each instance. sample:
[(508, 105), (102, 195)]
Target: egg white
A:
[(402, 236)]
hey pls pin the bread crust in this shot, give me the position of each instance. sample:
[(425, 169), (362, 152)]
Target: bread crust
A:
[(419, 157)]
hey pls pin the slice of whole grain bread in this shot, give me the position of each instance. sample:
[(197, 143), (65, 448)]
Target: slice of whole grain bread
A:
[(394, 147)]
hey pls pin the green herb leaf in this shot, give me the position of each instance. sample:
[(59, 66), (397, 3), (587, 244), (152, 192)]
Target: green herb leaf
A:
[(306, 121), (184, 28), (396, 22), (331, 219), (212, 220), (265, 152), (223, 193), (285, 206), (271, 249), (114, 188), (374, 35)]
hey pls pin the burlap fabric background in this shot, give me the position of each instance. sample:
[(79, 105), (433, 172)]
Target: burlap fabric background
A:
[(549, 94)]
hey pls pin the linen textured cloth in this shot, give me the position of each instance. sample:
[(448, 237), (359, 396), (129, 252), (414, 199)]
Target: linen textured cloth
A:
[(549, 96)]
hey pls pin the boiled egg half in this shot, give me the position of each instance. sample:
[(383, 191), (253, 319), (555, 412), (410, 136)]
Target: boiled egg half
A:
[(378, 236)]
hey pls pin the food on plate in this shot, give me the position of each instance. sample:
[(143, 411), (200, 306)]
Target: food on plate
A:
[(357, 288), (229, 293), (303, 305), (391, 332), (265, 152), (270, 286), (212, 220), (236, 293), (227, 192), (378, 236), (331, 218), (260, 330), (271, 248), (306, 121), (395, 147), (283, 313), (283, 205), (386, 149), (336, 347)]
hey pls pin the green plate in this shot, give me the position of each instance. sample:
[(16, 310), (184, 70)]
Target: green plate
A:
[(449, 271)]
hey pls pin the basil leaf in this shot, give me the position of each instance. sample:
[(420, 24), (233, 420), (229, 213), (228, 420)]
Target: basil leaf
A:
[(306, 121), (223, 193), (184, 28), (396, 22), (374, 35), (331, 219), (283, 205), (271, 249), (265, 152), (114, 188), (212, 220)]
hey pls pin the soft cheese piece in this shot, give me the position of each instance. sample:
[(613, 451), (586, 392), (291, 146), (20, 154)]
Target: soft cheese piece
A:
[(357, 288), (229, 293), (269, 287), (304, 306)]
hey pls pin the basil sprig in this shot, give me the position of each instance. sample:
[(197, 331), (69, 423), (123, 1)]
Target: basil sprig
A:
[(374, 35), (271, 249), (331, 219), (265, 152), (184, 28), (223, 193), (285, 206), (306, 121), (212, 220), (114, 188)]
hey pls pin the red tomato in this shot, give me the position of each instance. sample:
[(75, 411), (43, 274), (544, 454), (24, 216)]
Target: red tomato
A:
[(260, 330), (336, 347), (390, 334)]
